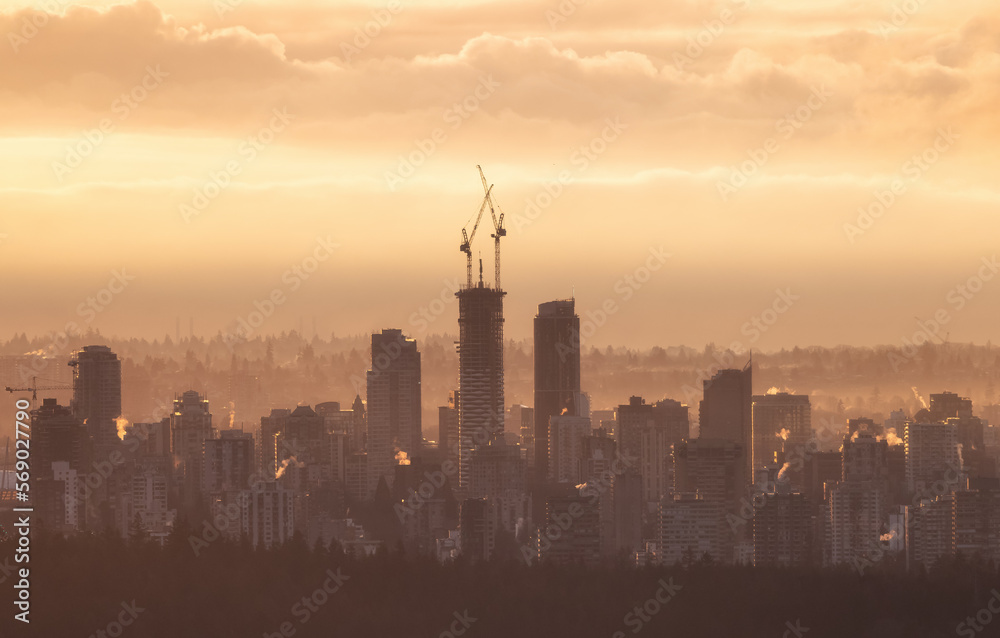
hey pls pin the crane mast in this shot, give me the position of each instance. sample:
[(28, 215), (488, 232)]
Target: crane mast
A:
[(498, 231), (467, 238)]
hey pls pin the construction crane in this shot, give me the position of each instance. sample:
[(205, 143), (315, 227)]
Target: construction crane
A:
[(467, 238), (498, 229), (35, 388)]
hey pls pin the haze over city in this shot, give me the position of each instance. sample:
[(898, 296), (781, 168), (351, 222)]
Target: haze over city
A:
[(490, 319)]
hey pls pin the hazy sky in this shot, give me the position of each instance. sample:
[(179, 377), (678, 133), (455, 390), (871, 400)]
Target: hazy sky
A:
[(739, 137)]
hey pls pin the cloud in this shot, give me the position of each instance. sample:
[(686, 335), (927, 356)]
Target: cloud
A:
[(227, 75)]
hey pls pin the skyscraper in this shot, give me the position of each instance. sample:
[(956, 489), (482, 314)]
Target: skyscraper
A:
[(692, 527), (557, 372), (578, 543), (646, 434), (393, 403), (448, 427), (726, 410), (779, 417), (714, 468), (60, 447), (97, 393), (498, 475), (190, 427), (565, 453), (932, 455), (57, 436), (782, 530), (480, 371), (228, 462)]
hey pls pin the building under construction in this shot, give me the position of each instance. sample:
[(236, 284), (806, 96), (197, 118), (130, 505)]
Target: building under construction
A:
[(480, 349)]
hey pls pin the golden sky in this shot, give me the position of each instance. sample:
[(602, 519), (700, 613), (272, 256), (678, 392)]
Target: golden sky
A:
[(741, 137)]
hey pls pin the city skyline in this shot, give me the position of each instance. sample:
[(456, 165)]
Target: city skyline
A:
[(723, 332)]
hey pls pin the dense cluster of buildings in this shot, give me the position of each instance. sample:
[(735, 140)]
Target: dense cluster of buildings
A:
[(556, 481)]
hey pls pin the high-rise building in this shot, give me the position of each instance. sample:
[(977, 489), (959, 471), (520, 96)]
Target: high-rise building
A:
[(478, 528), (726, 411), (865, 459), (480, 371), (646, 435), (270, 427), (302, 449), (856, 511), (692, 528), (633, 418), (267, 514), (932, 455), (565, 453), (190, 427), (149, 440), (779, 417), (895, 423), (498, 474), (930, 530), (228, 462), (359, 424), (73, 506), (356, 481), (144, 506), (947, 405), (519, 418), (448, 427), (819, 469), (557, 372), (393, 404), (977, 522), (782, 530), (673, 418), (427, 520), (627, 509), (336, 420), (57, 436), (97, 393), (712, 468), (598, 454), (577, 540)]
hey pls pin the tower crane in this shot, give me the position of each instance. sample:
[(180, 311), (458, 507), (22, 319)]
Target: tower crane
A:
[(34, 388), (498, 229), (467, 238)]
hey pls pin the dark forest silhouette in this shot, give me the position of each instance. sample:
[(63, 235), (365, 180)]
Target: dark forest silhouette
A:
[(230, 589)]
